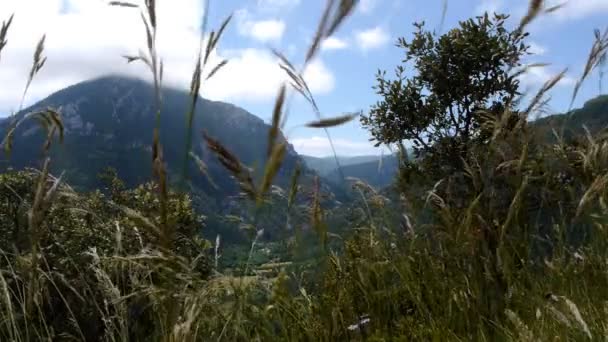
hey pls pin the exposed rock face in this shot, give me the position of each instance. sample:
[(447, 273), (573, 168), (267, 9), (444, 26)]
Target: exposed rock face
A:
[(109, 122)]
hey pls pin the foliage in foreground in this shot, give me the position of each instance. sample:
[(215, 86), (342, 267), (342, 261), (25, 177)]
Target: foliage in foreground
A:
[(429, 278), (511, 246)]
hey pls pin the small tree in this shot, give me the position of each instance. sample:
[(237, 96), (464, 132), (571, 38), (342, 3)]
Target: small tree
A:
[(458, 75), (461, 86)]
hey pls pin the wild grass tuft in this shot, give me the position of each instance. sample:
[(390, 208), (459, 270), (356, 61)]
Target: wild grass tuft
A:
[(510, 247), (4, 32)]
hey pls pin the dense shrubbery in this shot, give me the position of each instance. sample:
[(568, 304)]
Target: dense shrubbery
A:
[(509, 245), (81, 235)]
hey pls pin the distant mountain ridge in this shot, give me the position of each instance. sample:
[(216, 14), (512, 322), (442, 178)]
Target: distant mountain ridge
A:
[(593, 115), (326, 165), (376, 170), (109, 122)]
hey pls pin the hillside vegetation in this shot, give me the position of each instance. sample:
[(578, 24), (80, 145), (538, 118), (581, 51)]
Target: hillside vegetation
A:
[(491, 230), (378, 171)]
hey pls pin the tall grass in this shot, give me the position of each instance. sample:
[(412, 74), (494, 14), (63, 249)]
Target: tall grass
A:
[(478, 264)]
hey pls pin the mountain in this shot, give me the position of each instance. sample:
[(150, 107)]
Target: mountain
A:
[(109, 122), (326, 165), (378, 171), (593, 115)]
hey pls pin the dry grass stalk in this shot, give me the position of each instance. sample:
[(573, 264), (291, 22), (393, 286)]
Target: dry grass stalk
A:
[(361, 185), (527, 67), (276, 119), (196, 82), (548, 85), (333, 16), (37, 65), (234, 166), (49, 119), (317, 213), (4, 31), (595, 190), (155, 64), (293, 188), (534, 9), (151, 59), (578, 317), (190, 319), (597, 52), (332, 122), (272, 167), (123, 4), (42, 202), (276, 151), (202, 167)]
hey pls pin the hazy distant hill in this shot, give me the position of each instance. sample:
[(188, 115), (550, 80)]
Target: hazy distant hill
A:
[(326, 165), (593, 115), (378, 171)]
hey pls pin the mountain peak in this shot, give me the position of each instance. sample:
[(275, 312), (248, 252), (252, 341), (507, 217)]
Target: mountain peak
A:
[(109, 121)]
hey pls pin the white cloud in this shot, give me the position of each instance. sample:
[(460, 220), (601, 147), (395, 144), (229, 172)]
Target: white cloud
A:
[(253, 74), (577, 9), (367, 6), (537, 49), (334, 43), (268, 30), (320, 147), (318, 77), (570, 10), (372, 38), (88, 41), (537, 76)]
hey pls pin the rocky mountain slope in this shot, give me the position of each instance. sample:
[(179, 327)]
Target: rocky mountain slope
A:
[(109, 122)]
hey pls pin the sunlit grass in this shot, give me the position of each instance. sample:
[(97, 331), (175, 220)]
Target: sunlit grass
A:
[(129, 268)]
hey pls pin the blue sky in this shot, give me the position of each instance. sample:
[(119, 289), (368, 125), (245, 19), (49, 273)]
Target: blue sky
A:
[(341, 78), (562, 39)]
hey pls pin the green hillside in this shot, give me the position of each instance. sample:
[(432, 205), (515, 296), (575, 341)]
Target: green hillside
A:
[(592, 115)]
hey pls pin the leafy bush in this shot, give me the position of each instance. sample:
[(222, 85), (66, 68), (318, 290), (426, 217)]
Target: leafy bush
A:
[(511, 245)]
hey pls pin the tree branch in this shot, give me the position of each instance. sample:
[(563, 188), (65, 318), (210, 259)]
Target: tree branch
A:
[(453, 118)]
